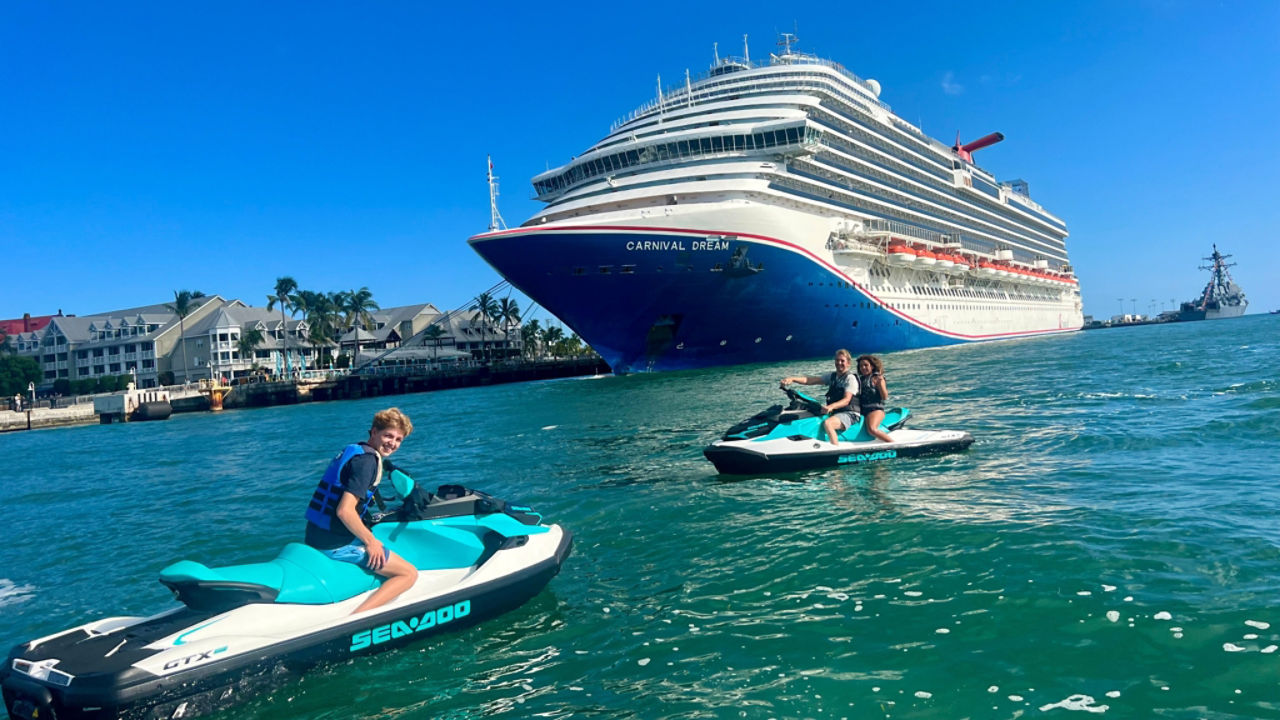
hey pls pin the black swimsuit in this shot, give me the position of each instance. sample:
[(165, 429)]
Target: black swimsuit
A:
[(869, 394)]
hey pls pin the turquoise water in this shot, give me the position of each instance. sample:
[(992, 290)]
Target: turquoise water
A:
[(1110, 541)]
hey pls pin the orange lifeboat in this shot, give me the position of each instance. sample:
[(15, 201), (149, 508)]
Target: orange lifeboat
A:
[(924, 256), (900, 253)]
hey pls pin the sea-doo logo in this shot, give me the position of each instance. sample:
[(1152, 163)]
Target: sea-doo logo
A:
[(400, 628), (869, 457), (193, 659)]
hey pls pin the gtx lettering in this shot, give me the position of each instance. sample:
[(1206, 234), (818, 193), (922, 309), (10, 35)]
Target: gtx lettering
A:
[(400, 628), (193, 659)]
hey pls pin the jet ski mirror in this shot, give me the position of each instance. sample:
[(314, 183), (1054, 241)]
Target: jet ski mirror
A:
[(402, 483)]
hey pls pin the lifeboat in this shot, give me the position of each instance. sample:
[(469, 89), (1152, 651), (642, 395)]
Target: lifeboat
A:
[(899, 253), (926, 257), (987, 269), (946, 261)]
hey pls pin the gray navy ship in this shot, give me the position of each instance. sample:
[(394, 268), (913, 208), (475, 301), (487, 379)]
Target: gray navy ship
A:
[(1221, 298)]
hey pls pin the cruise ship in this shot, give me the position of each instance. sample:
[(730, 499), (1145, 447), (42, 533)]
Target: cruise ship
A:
[(777, 211)]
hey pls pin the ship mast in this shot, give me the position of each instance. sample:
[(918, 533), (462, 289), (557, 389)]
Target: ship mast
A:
[(495, 218)]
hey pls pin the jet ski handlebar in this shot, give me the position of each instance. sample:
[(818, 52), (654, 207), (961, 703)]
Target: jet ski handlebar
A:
[(799, 399)]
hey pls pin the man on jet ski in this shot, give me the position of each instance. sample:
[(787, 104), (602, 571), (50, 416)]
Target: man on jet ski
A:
[(841, 386), (339, 506)]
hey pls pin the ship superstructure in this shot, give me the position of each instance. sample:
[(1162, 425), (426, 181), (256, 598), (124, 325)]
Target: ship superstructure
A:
[(1221, 297), (777, 211)]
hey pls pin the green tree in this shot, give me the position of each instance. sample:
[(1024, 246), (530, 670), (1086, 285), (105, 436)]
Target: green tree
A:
[(249, 341), (435, 335), (6, 346), (486, 308), (508, 316), (530, 336), (285, 286), (359, 306), (553, 339), (16, 372), (183, 305)]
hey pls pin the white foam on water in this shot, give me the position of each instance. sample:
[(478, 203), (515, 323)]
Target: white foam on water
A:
[(1084, 593), (1175, 629), (1269, 649), (642, 662), (1108, 588), (993, 689), (11, 593), (1113, 615), (857, 608), (942, 631), (1257, 624), (923, 695), (1162, 615), (1113, 694), (1232, 647), (1250, 636), (913, 593), (1016, 698), (1128, 598), (1076, 702), (550, 427)]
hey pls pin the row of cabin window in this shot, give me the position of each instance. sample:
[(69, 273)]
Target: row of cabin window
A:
[(680, 149)]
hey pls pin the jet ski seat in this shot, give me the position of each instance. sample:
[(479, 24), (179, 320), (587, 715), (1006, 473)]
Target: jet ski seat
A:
[(301, 574)]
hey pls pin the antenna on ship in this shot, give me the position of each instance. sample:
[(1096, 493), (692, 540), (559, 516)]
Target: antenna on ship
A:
[(715, 50), (785, 42), (746, 53), (661, 109), (688, 88), (495, 218)]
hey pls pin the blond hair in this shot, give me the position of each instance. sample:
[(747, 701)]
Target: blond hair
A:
[(847, 355), (393, 418)]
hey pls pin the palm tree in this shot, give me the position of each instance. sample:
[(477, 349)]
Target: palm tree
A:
[(553, 337), (182, 307), (358, 305), (435, 334), (530, 334), (285, 286), (486, 309), (508, 316), (249, 341)]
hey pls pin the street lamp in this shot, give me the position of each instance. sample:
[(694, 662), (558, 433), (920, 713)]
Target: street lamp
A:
[(31, 387)]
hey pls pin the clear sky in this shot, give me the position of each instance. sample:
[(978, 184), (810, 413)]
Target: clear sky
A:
[(148, 147)]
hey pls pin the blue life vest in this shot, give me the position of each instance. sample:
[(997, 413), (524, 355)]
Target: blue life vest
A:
[(324, 502)]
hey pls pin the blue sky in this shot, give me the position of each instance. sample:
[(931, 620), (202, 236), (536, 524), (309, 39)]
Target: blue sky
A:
[(148, 147)]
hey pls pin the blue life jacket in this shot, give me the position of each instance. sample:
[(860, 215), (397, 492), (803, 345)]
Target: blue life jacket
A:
[(323, 507)]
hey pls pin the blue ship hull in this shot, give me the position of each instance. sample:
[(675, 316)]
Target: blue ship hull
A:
[(654, 299)]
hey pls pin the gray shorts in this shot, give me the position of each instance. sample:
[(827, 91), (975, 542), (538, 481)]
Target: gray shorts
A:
[(846, 418)]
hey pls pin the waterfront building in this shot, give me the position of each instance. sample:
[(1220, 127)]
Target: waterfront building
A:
[(136, 341)]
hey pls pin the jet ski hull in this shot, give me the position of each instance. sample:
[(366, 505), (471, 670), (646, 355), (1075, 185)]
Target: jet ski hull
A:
[(782, 455), (790, 439), (187, 662)]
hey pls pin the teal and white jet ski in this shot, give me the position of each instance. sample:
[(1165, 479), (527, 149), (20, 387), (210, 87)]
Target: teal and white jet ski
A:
[(791, 438), (241, 629)]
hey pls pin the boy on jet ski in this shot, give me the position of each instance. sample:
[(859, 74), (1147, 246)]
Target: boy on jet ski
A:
[(841, 386), (335, 516)]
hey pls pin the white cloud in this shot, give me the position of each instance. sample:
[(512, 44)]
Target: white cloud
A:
[(949, 84)]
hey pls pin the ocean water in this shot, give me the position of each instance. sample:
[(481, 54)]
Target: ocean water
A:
[(1109, 545)]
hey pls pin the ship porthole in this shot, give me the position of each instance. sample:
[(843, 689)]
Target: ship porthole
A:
[(758, 340), (723, 343), (788, 338)]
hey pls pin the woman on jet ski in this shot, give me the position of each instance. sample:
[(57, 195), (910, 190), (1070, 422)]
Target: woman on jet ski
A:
[(841, 385), (872, 392)]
